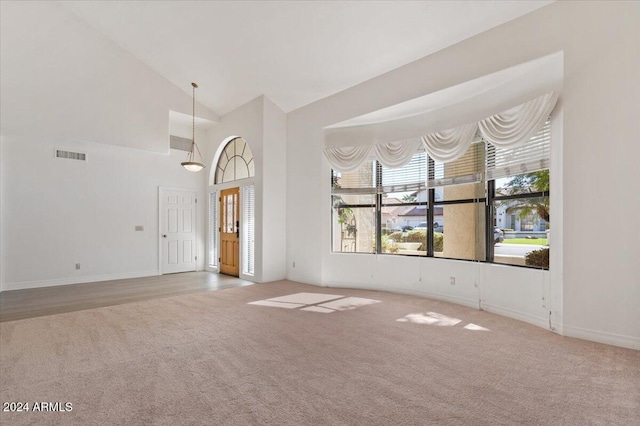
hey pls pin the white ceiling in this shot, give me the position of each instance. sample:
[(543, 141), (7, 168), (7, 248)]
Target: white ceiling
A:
[(293, 52)]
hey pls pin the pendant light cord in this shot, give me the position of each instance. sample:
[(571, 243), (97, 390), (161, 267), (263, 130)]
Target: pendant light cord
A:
[(193, 124), (193, 116), (192, 164)]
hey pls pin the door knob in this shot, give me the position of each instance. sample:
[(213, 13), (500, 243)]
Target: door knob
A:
[(164, 236)]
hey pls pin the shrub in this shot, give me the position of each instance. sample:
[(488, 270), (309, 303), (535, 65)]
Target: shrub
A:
[(438, 241), (387, 245), (395, 236), (538, 258), (416, 236)]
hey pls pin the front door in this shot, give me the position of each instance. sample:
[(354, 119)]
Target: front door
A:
[(178, 230), (230, 231)]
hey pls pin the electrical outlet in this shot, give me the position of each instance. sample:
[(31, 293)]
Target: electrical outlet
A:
[(77, 266), (139, 228), (452, 280)]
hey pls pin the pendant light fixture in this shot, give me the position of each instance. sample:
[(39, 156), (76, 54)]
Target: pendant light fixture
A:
[(191, 164)]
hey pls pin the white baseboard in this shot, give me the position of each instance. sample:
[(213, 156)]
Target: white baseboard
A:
[(76, 280), (471, 303), (303, 279), (517, 315), (624, 341), (271, 278)]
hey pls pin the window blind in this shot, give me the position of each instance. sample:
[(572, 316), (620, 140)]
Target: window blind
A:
[(213, 229), (357, 181), (411, 177), (248, 228), (467, 169), (531, 157)]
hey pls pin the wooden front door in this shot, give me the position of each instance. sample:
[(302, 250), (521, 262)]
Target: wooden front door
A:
[(230, 231)]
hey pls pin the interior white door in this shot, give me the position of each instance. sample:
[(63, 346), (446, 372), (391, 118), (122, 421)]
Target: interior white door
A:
[(178, 230)]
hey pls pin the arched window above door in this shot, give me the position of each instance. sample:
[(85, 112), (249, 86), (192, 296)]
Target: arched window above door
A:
[(235, 162)]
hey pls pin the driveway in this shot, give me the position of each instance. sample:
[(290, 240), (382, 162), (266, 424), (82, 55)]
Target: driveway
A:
[(515, 249)]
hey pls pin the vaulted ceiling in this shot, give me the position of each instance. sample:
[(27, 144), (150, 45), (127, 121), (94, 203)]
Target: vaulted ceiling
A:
[(294, 52), (110, 71)]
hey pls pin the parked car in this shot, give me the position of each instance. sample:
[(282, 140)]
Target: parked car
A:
[(407, 228), (436, 226), (498, 235)]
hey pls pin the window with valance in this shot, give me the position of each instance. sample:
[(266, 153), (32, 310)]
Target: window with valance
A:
[(446, 193)]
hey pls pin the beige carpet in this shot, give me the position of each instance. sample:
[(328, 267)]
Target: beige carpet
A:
[(214, 359)]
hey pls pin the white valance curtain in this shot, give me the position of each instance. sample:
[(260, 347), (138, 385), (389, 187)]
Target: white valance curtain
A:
[(514, 127), (451, 144), (349, 158), (396, 154), (509, 129)]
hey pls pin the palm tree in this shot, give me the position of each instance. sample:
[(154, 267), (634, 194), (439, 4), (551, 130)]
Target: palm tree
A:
[(409, 198), (528, 183)]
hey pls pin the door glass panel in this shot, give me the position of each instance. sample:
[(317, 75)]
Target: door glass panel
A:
[(230, 214)]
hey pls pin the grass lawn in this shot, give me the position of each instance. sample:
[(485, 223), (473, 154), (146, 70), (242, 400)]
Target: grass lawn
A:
[(532, 241)]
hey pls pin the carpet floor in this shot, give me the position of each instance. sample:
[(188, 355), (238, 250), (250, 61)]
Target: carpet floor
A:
[(349, 358)]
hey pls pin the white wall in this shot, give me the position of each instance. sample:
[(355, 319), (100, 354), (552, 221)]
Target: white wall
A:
[(274, 212), (594, 284), (64, 85), (308, 229), (1, 212), (59, 212)]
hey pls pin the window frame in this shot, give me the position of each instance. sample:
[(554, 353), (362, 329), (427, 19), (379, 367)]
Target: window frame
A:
[(491, 203)]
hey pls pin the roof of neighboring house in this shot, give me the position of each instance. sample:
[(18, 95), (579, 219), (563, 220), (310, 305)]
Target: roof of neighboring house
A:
[(421, 211)]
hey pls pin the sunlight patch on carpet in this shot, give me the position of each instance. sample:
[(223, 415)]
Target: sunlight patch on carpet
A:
[(475, 327), (348, 303), (318, 309), (277, 304), (306, 298), (430, 318), (315, 302)]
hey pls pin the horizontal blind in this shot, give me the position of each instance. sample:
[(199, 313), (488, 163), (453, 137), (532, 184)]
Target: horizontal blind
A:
[(531, 157), (410, 177), (362, 180), (248, 234), (468, 168), (213, 229)]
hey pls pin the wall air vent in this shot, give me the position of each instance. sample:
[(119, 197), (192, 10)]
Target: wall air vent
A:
[(183, 144), (71, 155)]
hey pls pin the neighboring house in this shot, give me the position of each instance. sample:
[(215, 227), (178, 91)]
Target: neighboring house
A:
[(416, 215), (509, 216), (401, 216)]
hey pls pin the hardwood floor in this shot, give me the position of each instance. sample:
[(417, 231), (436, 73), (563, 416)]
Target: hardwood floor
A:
[(36, 302)]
